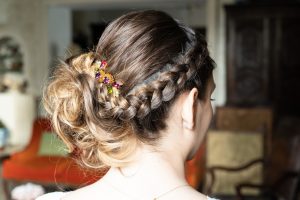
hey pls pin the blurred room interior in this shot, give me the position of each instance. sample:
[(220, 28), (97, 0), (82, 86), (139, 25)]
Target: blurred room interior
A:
[(252, 148)]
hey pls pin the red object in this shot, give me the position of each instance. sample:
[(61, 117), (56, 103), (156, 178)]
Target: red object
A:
[(195, 168), (29, 166), (103, 64)]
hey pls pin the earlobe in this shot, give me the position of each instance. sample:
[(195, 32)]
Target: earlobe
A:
[(189, 109), (187, 125)]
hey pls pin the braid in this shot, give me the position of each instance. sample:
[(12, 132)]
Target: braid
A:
[(159, 87), (147, 97), (146, 100), (163, 89)]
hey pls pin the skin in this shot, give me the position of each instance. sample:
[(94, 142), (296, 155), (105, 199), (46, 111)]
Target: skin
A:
[(156, 170)]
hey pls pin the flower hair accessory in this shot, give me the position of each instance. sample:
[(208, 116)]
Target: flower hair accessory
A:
[(106, 78)]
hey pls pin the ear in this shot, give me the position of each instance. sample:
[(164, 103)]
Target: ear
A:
[(189, 109)]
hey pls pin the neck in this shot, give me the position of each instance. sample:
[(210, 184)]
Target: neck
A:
[(167, 162), (150, 168)]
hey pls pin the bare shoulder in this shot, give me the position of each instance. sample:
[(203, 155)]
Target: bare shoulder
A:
[(186, 193), (51, 196), (193, 194), (92, 192), (86, 192)]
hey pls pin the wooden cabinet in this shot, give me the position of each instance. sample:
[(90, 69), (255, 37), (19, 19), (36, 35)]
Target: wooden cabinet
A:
[(263, 56)]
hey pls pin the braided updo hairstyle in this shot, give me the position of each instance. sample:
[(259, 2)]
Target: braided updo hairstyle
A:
[(156, 57)]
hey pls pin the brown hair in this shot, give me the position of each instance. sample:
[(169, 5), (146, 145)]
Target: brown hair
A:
[(156, 57)]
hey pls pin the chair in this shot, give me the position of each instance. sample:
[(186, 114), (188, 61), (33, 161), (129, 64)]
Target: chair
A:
[(247, 119), (28, 165), (233, 158), (243, 137), (240, 129)]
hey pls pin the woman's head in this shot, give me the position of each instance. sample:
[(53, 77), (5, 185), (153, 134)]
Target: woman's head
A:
[(155, 57)]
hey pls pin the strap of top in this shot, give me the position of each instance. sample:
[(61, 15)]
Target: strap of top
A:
[(209, 198)]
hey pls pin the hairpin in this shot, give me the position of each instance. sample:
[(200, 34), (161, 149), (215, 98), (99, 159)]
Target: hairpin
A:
[(106, 78)]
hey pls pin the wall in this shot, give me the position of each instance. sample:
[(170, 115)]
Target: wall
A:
[(216, 35), (59, 32), (24, 21), (3, 14)]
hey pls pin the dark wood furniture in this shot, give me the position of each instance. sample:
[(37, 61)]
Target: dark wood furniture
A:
[(263, 65), (263, 70)]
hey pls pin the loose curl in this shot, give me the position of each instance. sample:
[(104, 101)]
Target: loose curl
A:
[(156, 57)]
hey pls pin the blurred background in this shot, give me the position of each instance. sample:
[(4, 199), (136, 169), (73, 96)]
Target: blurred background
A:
[(252, 148)]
